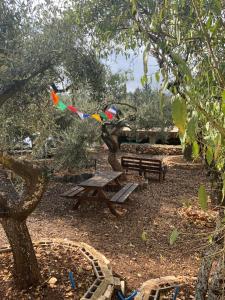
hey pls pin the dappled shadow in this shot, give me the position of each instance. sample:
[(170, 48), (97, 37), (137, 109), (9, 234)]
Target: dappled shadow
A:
[(137, 243)]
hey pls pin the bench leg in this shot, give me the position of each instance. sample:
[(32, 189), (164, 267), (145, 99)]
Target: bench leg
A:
[(94, 193), (117, 181), (106, 200), (77, 204)]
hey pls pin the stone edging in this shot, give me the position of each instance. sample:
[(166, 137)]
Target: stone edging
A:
[(104, 284), (148, 290), (151, 149)]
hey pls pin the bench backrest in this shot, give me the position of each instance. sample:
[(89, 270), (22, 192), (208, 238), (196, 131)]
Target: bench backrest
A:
[(139, 163)]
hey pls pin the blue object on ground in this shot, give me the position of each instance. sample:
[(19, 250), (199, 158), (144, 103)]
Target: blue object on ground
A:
[(176, 292), (120, 296), (72, 281)]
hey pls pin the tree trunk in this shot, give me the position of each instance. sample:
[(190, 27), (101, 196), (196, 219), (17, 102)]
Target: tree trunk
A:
[(188, 153), (203, 275), (209, 284), (111, 141), (114, 162), (216, 286), (26, 271)]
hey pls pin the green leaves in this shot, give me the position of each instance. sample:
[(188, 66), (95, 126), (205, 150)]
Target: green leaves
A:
[(133, 6), (157, 76), (202, 198), (195, 149), (179, 113), (182, 65), (223, 95), (144, 80), (209, 155), (191, 129), (173, 236), (223, 102)]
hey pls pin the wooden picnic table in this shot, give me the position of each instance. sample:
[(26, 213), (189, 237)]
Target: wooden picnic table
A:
[(102, 179), (93, 189)]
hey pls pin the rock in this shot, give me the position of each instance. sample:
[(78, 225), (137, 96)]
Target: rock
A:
[(52, 281), (88, 268)]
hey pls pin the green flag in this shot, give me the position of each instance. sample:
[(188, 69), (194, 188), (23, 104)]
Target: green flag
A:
[(61, 105), (103, 116)]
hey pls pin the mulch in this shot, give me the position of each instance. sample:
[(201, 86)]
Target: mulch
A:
[(154, 211), (55, 263)]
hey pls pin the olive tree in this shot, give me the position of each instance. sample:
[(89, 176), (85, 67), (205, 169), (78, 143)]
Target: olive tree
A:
[(37, 45), (187, 39)]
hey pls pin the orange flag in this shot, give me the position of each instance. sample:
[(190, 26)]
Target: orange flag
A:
[(55, 98)]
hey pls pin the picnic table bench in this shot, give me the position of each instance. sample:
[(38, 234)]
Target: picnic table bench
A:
[(144, 165), (93, 189)]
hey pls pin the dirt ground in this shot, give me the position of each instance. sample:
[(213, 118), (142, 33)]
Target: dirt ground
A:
[(156, 211), (55, 263)]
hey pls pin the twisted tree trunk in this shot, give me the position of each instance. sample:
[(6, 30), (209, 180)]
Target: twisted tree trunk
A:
[(114, 162), (13, 215), (111, 140), (26, 271)]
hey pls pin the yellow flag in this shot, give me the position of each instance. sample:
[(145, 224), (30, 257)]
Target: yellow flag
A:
[(97, 117)]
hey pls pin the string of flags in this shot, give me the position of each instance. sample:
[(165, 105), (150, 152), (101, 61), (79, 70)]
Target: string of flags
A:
[(100, 117)]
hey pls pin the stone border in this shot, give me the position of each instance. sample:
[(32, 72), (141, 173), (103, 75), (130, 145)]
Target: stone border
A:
[(151, 149), (150, 289), (104, 284)]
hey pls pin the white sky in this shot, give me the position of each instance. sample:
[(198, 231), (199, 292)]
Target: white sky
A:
[(135, 64)]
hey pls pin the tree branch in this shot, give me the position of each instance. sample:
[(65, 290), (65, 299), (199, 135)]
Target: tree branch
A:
[(120, 103), (215, 63), (18, 85), (35, 179)]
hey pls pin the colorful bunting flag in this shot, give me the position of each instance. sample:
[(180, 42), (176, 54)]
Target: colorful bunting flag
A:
[(80, 114), (97, 117), (86, 115), (55, 98), (112, 110), (109, 115), (61, 106), (71, 108), (102, 116)]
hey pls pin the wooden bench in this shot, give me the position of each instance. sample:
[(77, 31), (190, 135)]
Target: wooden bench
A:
[(73, 192), (124, 193), (144, 165)]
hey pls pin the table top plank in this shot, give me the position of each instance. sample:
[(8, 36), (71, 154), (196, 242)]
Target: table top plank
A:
[(100, 180)]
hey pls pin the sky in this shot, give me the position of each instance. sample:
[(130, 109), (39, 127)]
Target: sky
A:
[(135, 65)]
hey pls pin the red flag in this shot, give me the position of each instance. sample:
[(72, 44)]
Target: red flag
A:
[(72, 108), (109, 115)]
